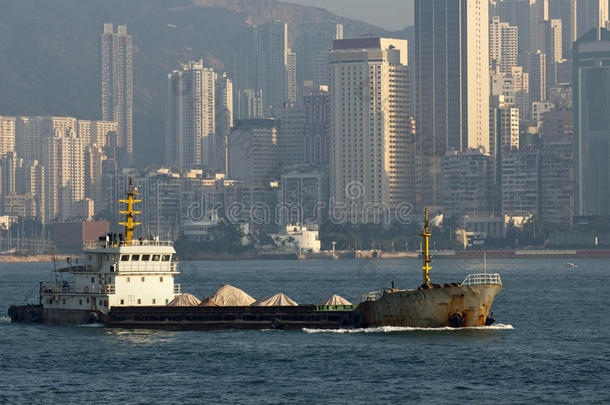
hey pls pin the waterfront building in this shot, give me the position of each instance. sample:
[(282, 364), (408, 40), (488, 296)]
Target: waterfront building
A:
[(117, 86), (520, 180)]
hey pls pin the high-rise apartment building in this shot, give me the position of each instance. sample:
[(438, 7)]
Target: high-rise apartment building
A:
[(452, 85), (520, 181), (552, 39), (557, 167), (592, 123), (537, 74), (254, 151), (7, 135), (468, 183), (370, 144), (190, 120), (64, 162), (503, 46), (117, 86)]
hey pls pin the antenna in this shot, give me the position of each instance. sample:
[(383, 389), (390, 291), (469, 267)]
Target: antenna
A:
[(129, 213), (427, 259)]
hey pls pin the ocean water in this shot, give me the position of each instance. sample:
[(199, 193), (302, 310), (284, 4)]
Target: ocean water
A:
[(551, 342)]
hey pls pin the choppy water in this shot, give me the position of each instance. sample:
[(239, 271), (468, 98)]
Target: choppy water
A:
[(550, 343)]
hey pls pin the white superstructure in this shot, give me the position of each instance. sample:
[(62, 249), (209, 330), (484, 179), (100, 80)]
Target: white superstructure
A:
[(116, 271)]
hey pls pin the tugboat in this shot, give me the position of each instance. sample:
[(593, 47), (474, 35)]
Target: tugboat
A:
[(128, 283)]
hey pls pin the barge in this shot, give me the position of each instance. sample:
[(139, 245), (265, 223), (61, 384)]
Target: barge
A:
[(126, 282)]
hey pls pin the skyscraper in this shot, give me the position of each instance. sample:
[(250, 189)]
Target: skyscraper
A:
[(452, 85), (313, 42), (117, 86), (592, 123), (190, 125), (224, 118), (7, 135), (369, 104)]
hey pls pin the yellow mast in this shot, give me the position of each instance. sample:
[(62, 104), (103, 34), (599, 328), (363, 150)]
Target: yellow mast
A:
[(427, 259), (129, 213)]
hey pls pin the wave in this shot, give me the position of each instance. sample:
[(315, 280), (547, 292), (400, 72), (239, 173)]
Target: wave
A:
[(5, 319), (390, 329)]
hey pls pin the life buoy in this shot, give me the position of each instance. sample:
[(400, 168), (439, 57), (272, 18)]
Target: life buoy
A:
[(86, 289)]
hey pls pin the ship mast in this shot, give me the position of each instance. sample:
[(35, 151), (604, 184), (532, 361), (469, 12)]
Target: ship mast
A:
[(129, 213), (427, 259)]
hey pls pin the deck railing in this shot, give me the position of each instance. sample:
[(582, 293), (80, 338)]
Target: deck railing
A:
[(135, 242), (482, 278), (371, 296)]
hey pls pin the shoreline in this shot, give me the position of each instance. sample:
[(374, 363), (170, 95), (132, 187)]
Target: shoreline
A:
[(365, 254)]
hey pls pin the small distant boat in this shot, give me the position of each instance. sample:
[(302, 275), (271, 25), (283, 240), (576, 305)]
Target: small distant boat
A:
[(573, 265)]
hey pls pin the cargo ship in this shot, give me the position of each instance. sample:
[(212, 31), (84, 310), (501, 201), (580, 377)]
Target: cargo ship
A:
[(127, 282)]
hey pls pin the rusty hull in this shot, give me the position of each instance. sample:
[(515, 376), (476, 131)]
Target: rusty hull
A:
[(433, 307)]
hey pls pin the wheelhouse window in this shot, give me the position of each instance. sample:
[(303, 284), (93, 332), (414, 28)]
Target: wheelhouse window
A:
[(145, 258), (135, 258), (156, 258), (124, 258), (166, 258)]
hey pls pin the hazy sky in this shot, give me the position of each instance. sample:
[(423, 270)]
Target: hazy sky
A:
[(388, 14)]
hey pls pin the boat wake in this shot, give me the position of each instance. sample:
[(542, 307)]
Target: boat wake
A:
[(390, 329), (5, 319), (92, 325)]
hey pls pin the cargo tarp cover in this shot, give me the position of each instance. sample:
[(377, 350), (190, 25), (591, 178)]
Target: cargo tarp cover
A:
[(229, 296), (184, 300), (335, 300), (278, 300)]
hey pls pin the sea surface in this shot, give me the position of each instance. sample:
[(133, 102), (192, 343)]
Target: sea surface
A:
[(551, 342)]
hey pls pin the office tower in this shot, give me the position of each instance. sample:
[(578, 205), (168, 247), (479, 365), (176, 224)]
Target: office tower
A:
[(291, 135), (64, 162), (520, 175), (557, 167), (552, 39), (537, 75), (566, 11), (539, 12), (503, 46), (313, 42), (452, 85), (117, 86), (591, 14), (317, 128), (272, 51), (591, 123), (260, 61), (467, 182), (254, 151), (244, 59), (7, 135), (369, 93), (248, 104), (224, 118), (190, 125)]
